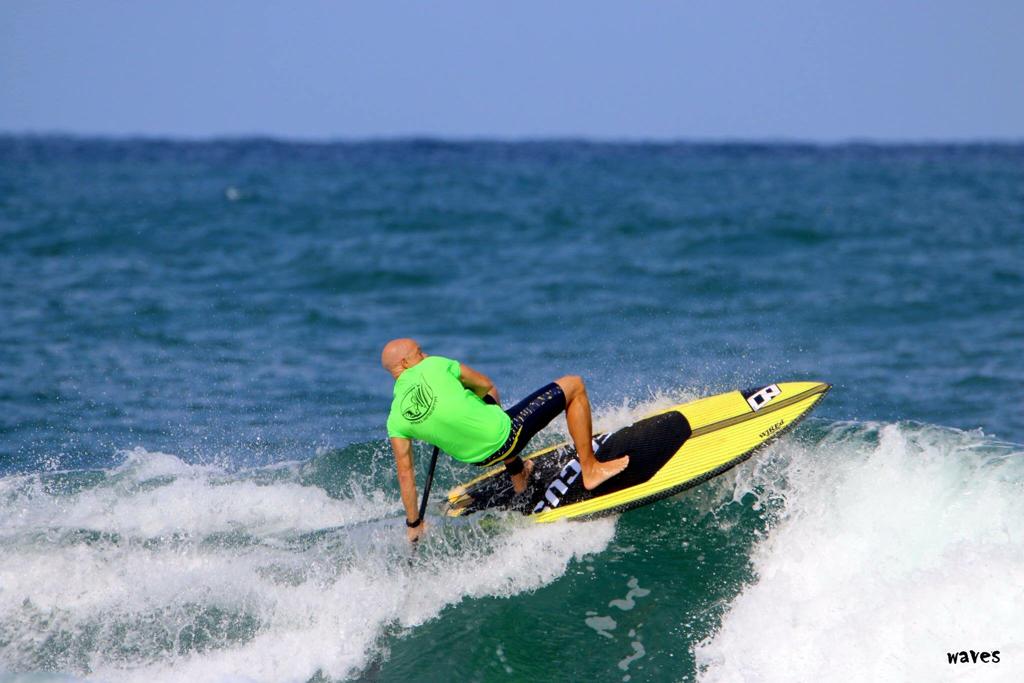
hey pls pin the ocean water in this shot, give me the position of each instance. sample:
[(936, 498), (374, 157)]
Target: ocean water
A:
[(195, 484)]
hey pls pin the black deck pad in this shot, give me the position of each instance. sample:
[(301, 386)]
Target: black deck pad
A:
[(556, 480)]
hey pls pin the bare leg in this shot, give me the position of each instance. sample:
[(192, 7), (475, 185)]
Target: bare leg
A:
[(519, 480), (577, 416)]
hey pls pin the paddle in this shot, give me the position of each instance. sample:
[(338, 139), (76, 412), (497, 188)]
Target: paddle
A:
[(430, 481)]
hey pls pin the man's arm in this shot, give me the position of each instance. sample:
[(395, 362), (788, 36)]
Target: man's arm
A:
[(477, 382), (407, 484)]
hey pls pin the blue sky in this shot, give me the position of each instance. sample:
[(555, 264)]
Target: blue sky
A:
[(824, 71)]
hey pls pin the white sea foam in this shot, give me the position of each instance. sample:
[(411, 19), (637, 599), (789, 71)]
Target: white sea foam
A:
[(896, 545), (170, 571), (156, 494)]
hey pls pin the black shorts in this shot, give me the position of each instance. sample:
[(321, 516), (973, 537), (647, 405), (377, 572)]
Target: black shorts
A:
[(529, 416)]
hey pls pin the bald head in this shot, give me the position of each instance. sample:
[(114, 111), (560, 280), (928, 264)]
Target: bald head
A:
[(399, 355)]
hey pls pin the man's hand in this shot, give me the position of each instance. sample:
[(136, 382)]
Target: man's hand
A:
[(414, 534)]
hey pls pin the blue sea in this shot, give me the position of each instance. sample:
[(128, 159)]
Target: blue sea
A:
[(195, 483)]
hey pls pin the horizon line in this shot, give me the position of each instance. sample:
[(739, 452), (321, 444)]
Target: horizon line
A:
[(405, 138)]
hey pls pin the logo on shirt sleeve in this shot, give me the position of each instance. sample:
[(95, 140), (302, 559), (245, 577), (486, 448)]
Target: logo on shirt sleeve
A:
[(418, 403)]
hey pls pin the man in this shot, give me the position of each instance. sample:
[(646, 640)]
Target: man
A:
[(454, 407)]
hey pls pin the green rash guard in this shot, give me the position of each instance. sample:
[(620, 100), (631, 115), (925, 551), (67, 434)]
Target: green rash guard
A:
[(432, 405)]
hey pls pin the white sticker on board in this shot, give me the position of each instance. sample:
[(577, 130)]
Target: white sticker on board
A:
[(761, 397)]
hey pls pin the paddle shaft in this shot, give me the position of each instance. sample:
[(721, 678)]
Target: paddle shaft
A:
[(430, 481)]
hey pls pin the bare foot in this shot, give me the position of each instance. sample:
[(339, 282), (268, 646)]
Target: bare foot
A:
[(520, 481), (600, 472)]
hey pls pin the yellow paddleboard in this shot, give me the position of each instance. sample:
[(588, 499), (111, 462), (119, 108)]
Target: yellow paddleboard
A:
[(670, 451)]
